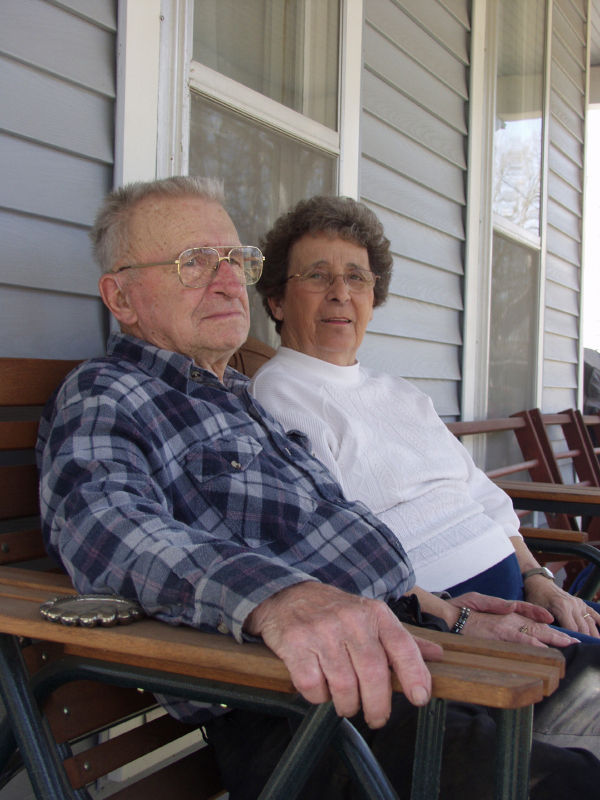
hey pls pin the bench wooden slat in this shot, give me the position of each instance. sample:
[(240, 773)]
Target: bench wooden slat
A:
[(114, 753), (183, 776), (18, 435), (18, 491), (21, 546), (31, 381)]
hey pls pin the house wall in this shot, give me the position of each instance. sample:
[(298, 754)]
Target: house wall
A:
[(415, 93), (565, 206), (57, 91)]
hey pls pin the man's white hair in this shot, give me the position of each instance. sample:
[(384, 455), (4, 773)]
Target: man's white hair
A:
[(110, 234)]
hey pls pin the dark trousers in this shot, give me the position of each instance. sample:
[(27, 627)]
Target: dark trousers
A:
[(249, 745)]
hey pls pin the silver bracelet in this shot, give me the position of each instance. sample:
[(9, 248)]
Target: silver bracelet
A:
[(462, 620)]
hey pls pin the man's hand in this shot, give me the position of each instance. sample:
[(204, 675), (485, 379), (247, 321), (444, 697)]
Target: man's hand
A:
[(509, 621), (568, 611), (340, 646)]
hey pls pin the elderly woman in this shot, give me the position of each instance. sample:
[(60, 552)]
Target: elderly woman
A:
[(327, 266)]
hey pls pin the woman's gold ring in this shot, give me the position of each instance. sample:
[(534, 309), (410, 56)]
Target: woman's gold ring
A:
[(587, 615), (523, 629)]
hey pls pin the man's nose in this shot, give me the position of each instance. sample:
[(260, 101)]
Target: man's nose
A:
[(338, 290), (228, 278)]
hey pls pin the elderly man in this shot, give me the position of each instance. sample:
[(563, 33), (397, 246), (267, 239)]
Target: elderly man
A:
[(162, 481)]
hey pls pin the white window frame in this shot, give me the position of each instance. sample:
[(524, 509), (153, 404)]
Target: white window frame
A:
[(481, 222), (156, 74)]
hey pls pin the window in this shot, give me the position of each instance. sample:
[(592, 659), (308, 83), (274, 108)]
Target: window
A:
[(516, 191), (265, 109)]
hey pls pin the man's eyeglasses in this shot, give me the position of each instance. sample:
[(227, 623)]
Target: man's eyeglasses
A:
[(198, 266), (319, 280)]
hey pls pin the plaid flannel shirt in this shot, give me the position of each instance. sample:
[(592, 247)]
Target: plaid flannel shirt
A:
[(164, 485)]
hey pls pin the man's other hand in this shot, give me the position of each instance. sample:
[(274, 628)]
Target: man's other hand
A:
[(340, 646)]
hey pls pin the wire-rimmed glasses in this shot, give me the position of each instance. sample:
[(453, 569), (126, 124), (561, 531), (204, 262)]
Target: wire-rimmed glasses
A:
[(198, 266), (319, 280)]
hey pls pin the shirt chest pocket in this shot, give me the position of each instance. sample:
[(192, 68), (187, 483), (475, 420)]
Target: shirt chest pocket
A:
[(234, 478)]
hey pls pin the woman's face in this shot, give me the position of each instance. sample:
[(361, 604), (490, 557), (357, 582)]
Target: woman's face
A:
[(331, 324)]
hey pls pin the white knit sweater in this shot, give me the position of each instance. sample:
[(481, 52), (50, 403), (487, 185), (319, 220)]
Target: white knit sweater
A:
[(382, 439)]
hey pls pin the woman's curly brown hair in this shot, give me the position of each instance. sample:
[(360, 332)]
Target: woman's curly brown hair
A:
[(335, 216)]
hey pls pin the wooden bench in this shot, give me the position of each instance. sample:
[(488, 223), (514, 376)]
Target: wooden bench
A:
[(96, 674)]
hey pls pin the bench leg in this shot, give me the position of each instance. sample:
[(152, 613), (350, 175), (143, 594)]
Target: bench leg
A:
[(428, 750), (513, 752), (48, 778)]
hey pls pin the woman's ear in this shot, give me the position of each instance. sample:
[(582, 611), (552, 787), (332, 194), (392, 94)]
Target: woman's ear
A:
[(116, 299), (275, 304)]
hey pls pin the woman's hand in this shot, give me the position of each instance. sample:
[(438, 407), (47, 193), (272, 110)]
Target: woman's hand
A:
[(568, 611)]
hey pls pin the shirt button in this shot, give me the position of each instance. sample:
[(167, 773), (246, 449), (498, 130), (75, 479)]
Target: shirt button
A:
[(222, 628), (236, 465), (195, 374)]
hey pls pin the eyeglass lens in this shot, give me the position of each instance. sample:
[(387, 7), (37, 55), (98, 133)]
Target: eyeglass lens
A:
[(198, 265), (319, 280)]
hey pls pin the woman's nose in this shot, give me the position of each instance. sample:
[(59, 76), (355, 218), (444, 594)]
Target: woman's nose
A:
[(338, 290)]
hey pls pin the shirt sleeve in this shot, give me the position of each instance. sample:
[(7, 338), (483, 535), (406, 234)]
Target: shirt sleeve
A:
[(107, 516)]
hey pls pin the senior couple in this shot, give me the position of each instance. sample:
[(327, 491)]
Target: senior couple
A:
[(164, 480)]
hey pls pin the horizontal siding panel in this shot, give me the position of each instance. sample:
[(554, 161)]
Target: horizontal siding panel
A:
[(564, 167), (563, 219), (572, 18), (564, 140), (421, 282), (101, 12), (444, 395), (51, 325), (56, 257), (558, 375), (389, 189), (563, 272), (384, 144), (563, 246), (572, 38), (384, 102), (562, 299), (561, 323), (36, 180), (42, 108), (57, 42), (400, 71), (570, 65), (389, 20), (440, 25), (572, 122), (573, 96), (560, 348), (556, 400), (420, 243), (413, 320), (459, 10), (563, 193), (410, 359)]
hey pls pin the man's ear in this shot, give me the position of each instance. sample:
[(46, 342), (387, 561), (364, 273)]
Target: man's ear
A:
[(275, 306), (116, 299)]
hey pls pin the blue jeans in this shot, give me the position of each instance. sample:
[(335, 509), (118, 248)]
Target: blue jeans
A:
[(504, 580)]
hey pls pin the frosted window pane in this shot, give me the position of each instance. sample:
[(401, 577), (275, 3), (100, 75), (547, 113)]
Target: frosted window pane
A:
[(264, 173), (513, 340), (519, 101), (285, 49)]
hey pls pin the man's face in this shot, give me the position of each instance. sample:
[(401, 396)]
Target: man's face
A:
[(206, 324)]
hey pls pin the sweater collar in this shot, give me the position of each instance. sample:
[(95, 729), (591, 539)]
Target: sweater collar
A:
[(323, 370)]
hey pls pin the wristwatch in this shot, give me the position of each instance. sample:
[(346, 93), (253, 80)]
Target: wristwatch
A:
[(538, 571)]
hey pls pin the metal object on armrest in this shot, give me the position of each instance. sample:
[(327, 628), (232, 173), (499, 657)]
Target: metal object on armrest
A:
[(90, 610)]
